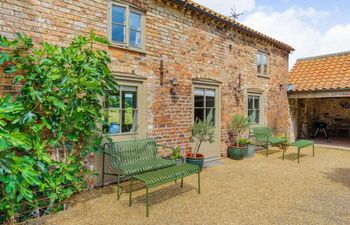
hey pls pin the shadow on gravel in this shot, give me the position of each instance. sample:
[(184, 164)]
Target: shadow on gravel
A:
[(340, 175), (164, 194)]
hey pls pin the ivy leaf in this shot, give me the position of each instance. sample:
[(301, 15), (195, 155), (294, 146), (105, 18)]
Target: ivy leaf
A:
[(4, 42), (18, 79), (28, 118), (4, 57), (10, 69)]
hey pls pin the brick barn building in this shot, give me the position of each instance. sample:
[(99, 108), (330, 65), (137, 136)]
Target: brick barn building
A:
[(174, 60), (320, 93)]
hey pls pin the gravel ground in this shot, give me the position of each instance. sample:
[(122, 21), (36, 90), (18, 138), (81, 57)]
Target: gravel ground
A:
[(259, 190)]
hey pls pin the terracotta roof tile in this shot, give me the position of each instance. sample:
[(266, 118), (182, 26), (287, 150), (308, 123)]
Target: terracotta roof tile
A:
[(325, 72)]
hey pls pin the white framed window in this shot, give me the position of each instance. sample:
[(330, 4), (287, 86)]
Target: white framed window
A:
[(262, 68), (254, 109), (126, 26), (122, 109)]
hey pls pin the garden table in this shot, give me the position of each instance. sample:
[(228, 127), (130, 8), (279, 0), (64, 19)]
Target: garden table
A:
[(300, 144), (162, 176)]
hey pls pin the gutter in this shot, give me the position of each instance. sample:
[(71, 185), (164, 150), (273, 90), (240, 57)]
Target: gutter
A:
[(185, 4)]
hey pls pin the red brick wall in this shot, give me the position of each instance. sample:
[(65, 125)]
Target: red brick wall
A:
[(193, 46)]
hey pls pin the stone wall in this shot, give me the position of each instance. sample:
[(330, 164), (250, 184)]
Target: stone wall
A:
[(192, 45), (306, 111)]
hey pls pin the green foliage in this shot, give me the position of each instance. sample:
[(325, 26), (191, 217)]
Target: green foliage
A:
[(202, 131), (58, 110), (244, 141), (238, 125), (176, 153)]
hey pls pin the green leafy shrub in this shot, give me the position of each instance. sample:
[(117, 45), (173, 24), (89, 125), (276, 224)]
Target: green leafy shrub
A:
[(58, 110), (238, 125), (245, 141)]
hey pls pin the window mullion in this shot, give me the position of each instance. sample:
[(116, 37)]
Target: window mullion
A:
[(127, 25)]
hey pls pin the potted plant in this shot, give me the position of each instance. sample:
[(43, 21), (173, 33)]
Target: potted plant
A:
[(202, 131), (239, 124), (250, 147), (178, 154)]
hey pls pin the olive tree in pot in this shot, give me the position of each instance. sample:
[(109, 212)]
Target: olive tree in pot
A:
[(239, 124), (202, 131)]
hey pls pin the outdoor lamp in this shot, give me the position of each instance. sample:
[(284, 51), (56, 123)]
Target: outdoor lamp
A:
[(173, 82)]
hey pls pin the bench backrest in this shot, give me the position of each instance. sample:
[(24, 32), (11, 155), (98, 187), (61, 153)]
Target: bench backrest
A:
[(262, 133), (132, 151)]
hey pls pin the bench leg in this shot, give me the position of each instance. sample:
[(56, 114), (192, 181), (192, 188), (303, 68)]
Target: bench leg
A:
[(118, 188), (147, 204), (103, 170), (313, 150), (267, 149), (284, 149), (182, 182), (298, 154), (130, 193), (199, 183)]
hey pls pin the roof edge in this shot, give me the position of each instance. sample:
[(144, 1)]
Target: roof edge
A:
[(211, 13), (324, 56)]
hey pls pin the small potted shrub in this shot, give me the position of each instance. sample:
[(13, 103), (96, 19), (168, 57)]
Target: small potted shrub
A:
[(239, 124), (178, 154), (250, 147), (202, 131)]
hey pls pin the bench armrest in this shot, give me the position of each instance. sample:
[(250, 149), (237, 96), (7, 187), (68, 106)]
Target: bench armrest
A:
[(164, 146)]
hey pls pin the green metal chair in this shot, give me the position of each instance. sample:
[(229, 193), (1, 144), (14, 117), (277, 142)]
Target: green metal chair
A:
[(128, 158), (263, 135)]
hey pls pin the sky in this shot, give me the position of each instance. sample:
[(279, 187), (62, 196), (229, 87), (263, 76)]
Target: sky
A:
[(312, 27)]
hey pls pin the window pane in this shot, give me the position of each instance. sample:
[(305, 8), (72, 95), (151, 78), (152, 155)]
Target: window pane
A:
[(210, 115), (257, 116), (256, 102), (199, 114), (118, 14), (113, 101), (135, 39), (127, 119), (253, 115), (250, 102), (265, 70), (118, 33), (129, 100), (135, 21), (210, 97), (114, 121)]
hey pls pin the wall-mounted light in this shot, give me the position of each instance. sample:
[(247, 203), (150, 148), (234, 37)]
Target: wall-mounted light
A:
[(238, 85), (173, 83)]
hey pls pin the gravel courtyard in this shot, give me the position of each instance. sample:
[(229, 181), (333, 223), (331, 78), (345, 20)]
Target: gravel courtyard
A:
[(252, 191)]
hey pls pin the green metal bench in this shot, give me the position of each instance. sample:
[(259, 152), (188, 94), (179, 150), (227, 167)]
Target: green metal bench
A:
[(264, 135), (301, 144), (128, 158), (156, 178)]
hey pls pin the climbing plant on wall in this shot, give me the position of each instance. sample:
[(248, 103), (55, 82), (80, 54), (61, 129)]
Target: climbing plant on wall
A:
[(47, 131)]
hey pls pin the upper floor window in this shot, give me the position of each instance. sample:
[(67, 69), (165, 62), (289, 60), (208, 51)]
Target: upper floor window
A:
[(126, 27), (262, 64)]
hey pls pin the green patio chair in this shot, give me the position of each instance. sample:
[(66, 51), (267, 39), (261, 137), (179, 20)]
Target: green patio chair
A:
[(264, 136), (128, 158)]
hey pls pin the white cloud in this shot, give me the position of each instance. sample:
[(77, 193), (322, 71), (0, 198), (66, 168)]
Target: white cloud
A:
[(224, 6), (301, 28)]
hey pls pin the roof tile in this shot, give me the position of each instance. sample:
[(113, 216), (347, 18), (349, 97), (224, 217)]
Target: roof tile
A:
[(321, 72)]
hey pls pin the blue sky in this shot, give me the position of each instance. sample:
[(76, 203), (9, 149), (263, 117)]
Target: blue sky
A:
[(312, 27)]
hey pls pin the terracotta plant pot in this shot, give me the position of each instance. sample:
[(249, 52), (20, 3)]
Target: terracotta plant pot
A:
[(237, 153), (198, 160)]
